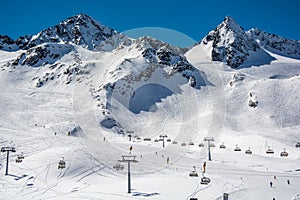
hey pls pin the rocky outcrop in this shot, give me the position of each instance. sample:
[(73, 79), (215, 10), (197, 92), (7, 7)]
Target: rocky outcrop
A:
[(230, 43)]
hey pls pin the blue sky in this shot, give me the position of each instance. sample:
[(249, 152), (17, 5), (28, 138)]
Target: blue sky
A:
[(192, 18)]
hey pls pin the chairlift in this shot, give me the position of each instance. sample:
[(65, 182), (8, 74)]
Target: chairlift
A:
[(237, 148), (201, 144), (183, 144), (284, 153), (269, 151), (174, 142), (147, 139), (61, 164), (248, 151), (20, 158), (193, 173), (191, 143), (118, 167), (222, 146), (205, 180), (297, 145), (169, 140), (212, 145)]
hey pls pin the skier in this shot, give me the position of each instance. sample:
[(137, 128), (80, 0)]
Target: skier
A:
[(168, 160), (288, 181), (273, 198), (271, 184), (130, 149)]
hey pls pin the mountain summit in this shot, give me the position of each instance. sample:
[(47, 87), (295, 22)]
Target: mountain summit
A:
[(80, 30), (229, 43)]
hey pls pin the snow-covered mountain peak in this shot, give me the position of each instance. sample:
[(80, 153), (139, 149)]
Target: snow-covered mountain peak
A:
[(80, 30), (230, 23), (229, 43)]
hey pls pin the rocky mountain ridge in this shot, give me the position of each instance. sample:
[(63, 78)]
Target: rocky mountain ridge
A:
[(228, 42)]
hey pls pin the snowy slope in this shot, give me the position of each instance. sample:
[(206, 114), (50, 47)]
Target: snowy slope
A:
[(98, 95), (276, 44)]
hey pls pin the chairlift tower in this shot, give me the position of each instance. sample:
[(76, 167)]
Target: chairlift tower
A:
[(162, 137), (209, 139), (128, 159), (7, 150)]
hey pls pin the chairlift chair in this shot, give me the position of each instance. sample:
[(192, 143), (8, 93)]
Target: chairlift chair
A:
[(269, 151), (156, 140), (222, 146), (284, 153), (201, 145), (297, 145), (205, 180), (174, 142), (212, 145), (61, 164), (147, 139), (237, 148), (168, 140), (248, 151), (183, 144), (191, 143), (193, 173), (118, 167), (21, 156)]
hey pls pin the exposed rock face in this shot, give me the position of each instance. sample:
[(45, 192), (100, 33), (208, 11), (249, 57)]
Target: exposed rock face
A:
[(80, 30), (7, 43), (42, 54), (230, 43), (275, 43)]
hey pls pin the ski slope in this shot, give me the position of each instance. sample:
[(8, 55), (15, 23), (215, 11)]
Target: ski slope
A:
[(36, 121)]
